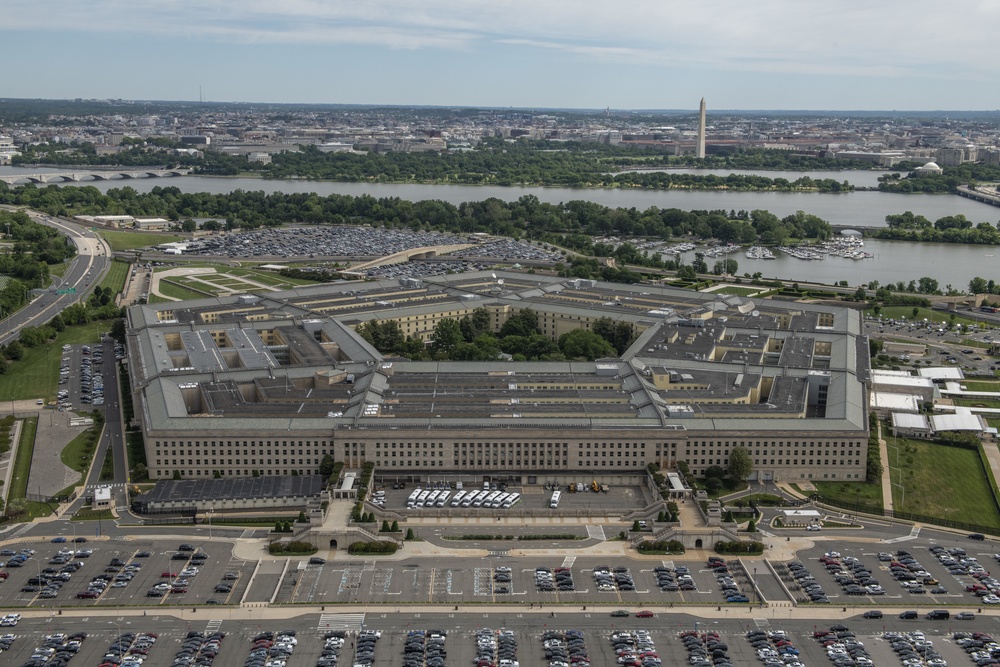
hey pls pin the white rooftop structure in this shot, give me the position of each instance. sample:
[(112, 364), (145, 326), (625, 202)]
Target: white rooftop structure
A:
[(938, 373), (810, 514), (960, 421), (909, 422), (889, 402)]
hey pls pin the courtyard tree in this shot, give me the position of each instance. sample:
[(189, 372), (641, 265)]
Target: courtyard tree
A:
[(740, 464)]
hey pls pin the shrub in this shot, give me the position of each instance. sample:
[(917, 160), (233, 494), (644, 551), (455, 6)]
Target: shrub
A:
[(739, 547), (372, 548), (660, 547)]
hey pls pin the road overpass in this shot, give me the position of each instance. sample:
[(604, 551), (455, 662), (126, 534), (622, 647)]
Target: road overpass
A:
[(980, 194), (94, 175)]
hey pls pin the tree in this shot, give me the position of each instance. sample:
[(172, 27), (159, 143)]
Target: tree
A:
[(118, 330), (978, 286), (177, 474), (326, 465), (14, 351), (394, 528), (752, 526), (447, 334), (385, 526), (635, 526), (714, 472), (140, 471), (583, 344), (409, 535), (302, 517), (189, 225), (740, 463)]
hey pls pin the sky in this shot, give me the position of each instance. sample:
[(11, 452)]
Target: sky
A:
[(629, 54)]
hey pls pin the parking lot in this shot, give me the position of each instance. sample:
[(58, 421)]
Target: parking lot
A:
[(618, 499), (498, 579), (464, 635), (937, 586), (84, 372), (150, 565)]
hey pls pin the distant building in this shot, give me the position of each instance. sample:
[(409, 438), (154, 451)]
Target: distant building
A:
[(950, 157), (259, 158)]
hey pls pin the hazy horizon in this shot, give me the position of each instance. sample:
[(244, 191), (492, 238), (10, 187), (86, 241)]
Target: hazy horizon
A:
[(581, 54)]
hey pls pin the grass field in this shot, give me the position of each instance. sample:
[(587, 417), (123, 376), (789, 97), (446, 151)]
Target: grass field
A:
[(36, 374), (939, 481), (737, 290), (170, 288), (22, 464), (58, 269), (115, 278), (846, 494), (77, 454), (129, 240), (977, 402), (974, 385)]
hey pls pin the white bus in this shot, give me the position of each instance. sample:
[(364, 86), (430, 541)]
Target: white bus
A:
[(470, 498), (511, 500), (412, 500), (422, 497), (457, 500), (443, 498), (498, 501), (554, 502)]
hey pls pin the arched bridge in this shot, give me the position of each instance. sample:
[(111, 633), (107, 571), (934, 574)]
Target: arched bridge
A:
[(77, 176)]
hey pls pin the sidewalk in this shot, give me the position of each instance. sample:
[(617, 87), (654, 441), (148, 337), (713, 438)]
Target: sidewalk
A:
[(883, 452)]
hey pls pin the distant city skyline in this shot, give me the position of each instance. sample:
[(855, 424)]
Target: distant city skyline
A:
[(639, 54)]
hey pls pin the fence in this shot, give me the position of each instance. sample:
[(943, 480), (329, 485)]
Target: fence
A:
[(37, 498)]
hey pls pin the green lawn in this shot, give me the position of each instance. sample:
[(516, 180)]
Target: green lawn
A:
[(735, 289), (58, 269), (130, 240), (981, 386), (942, 482), (115, 278), (36, 374), (78, 453), (848, 494), (169, 288), (977, 402), (897, 312), (22, 464)]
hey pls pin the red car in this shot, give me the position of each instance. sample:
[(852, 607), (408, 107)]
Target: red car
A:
[(169, 575), (644, 614)]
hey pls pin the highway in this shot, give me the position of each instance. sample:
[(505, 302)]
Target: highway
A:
[(86, 270)]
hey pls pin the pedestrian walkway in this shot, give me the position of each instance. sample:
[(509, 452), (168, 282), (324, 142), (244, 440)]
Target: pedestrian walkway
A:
[(328, 622), (883, 455)]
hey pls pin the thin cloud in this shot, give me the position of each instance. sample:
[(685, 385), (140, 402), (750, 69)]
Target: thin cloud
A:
[(849, 37)]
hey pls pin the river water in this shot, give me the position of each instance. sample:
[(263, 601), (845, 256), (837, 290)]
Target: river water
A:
[(894, 261)]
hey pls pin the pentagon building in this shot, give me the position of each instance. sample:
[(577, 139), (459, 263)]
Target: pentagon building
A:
[(272, 383)]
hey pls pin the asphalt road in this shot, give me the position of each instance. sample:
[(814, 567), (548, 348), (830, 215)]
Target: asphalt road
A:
[(86, 270)]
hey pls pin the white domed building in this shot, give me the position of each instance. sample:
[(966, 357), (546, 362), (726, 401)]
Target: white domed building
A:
[(929, 168)]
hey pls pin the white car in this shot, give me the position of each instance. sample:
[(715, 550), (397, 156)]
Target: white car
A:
[(988, 599), (814, 527), (11, 620)]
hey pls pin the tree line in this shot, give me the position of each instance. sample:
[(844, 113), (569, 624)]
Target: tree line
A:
[(494, 161), (528, 217), (947, 181), (472, 338), (949, 229)]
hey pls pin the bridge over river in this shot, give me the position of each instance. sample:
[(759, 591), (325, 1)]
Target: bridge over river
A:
[(94, 175)]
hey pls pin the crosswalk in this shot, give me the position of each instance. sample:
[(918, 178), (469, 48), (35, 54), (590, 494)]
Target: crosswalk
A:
[(248, 532), (568, 561), (213, 626), (329, 622), (914, 532), (595, 532)]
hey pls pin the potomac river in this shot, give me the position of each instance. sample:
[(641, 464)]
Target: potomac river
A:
[(894, 261)]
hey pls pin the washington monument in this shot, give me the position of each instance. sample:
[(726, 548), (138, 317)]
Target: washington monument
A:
[(701, 129)]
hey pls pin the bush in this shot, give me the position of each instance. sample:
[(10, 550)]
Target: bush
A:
[(739, 547), (372, 548), (296, 548), (409, 535), (660, 547)]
